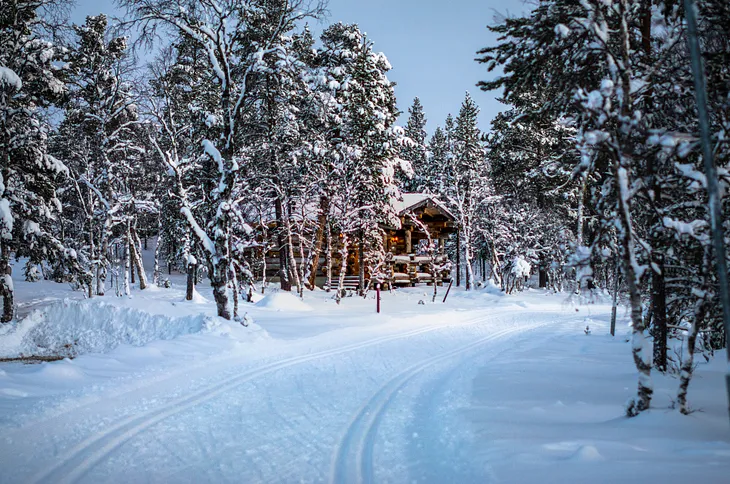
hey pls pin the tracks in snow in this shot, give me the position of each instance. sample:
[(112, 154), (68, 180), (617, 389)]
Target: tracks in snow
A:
[(75, 463), (353, 459)]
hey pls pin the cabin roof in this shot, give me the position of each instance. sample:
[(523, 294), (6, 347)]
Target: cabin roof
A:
[(412, 201)]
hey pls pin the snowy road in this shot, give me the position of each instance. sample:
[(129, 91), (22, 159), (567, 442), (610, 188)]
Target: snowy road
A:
[(488, 388), (371, 410)]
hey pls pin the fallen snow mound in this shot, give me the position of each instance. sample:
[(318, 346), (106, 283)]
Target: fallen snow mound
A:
[(283, 301), (71, 328), (493, 289)]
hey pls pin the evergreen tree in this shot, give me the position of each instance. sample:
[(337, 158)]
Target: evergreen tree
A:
[(30, 82), (432, 174), (415, 151), (365, 142), (467, 185)]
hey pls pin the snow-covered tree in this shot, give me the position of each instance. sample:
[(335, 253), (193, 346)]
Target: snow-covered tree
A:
[(415, 150), (467, 184), (618, 74), (236, 35), (365, 142), (30, 81), (104, 148)]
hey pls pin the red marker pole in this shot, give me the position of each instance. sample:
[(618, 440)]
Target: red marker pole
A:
[(377, 296)]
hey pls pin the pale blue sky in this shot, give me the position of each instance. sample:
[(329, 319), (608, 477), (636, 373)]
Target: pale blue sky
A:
[(431, 45)]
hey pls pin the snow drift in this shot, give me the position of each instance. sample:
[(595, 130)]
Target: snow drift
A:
[(283, 301), (71, 328)]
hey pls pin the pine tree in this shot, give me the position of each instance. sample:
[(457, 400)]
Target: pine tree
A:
[(30, 81), (415, 151), (432, 174), (467, 179), (365, 142)]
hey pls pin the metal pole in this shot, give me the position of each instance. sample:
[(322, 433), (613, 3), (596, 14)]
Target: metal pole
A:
[(713, 191)]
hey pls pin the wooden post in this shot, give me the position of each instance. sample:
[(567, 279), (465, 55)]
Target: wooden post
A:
[(447, 290), (377, 297), (408, 240)]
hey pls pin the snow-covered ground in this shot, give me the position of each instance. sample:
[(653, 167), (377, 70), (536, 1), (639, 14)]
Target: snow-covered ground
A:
[(483, 388)]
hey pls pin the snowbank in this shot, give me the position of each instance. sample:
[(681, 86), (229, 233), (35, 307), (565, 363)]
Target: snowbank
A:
[(493, 289), (283, 301), (71, 328)]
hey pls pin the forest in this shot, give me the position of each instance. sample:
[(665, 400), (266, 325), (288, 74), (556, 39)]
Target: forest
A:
[(225, 129)]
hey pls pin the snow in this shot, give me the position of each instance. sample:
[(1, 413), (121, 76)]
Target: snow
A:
[(31, 228), (6, 218), (412, 200), (562, 30), (78, 327), (9, 78), (486, 387), (520, 267), (684, 228), (213, 152), (283, 301), (208, 244)]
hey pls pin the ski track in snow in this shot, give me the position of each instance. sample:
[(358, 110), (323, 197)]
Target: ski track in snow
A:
[(74, 464), (353, 457)]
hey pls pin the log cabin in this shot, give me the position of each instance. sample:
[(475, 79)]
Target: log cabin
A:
[(409, 258)]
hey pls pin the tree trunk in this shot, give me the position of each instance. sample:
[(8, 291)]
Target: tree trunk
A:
[(328, 257), (103, 262), (468, 261), (135, 245), (701, 307), (233, 281), (219, 267), (685, 375), (6, 284), (458, 258), (319, 240), (361, 264), (343, 267), (156, 272), (92, 254), (658, 293), (234, 288), (291, 263), (190, 286), (283, 269), (581, 221), (614, 306), (127, 264), (642, 359), (659, 315), (219, 283)]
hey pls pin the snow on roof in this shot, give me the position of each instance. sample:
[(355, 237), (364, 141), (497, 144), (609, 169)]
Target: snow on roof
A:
[(409, 200), (413, 200)]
